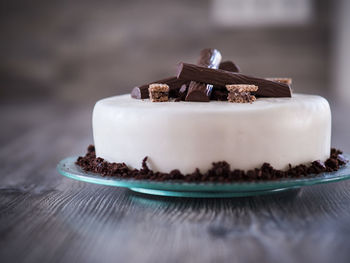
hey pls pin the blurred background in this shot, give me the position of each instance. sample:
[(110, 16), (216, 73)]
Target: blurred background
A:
[(59, 57)]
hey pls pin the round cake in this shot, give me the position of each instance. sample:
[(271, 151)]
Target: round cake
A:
[(189, 135)]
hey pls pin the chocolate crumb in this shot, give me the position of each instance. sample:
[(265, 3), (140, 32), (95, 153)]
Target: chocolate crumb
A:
[(220, 172)]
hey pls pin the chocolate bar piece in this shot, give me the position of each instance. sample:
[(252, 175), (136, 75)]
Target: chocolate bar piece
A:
[(158, 92), (221, 77), (201, 92), (229, 66), (141, 92)]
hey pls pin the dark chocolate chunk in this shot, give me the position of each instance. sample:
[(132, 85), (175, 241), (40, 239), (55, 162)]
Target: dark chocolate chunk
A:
[(209, 57), (141, 92), (182, 93), (318, 167), (221, 78), (201, 92), (332, 163), (219, 94), (229, 66), (220, 171)]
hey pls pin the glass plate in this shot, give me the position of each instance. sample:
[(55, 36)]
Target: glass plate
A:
[(68, 168)]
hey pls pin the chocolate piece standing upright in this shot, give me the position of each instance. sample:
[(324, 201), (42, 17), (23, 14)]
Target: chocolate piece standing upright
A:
[(182, 93), (141, 92), (221, 77), (229, 66), (201, 92)]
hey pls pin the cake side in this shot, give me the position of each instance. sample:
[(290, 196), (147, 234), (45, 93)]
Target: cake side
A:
[(185, 136)]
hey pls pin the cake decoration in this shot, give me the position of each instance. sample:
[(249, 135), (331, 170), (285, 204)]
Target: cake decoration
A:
[(174, 84), (229, 66), (220, 172), (203, 85), (241, 93), (158, 92), (219, 94), (219, 77), (182, 93), (198, 91)]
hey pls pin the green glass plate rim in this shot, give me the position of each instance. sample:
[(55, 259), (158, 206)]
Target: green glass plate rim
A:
[(68, 168)]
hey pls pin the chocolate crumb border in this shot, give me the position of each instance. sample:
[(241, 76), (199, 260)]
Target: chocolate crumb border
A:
[(219, 173)]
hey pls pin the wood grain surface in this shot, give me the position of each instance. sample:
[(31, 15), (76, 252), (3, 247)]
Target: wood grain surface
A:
[(45, 217)]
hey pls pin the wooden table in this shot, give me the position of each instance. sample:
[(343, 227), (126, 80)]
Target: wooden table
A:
[(45, 217)]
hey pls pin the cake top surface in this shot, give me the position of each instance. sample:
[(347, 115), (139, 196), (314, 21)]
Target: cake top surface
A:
[(128, 103)]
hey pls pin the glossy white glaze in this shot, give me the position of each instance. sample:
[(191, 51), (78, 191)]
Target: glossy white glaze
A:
[(189, 135)]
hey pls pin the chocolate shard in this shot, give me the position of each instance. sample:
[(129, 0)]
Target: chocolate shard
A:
[(229, 66), (219, 77), (141, 92), (219, 94), (182, 93), (199, 92), (209, 58)]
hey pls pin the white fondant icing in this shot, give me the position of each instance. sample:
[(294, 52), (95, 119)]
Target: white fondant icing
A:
[(189, 135)]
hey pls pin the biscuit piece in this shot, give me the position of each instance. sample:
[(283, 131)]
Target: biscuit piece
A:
[(241, 88), (158, 92), (240, 93), (287, 81), (241, 97)]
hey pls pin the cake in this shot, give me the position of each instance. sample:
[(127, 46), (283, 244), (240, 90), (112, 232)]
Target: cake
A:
[(190, 135), (211, 122)]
